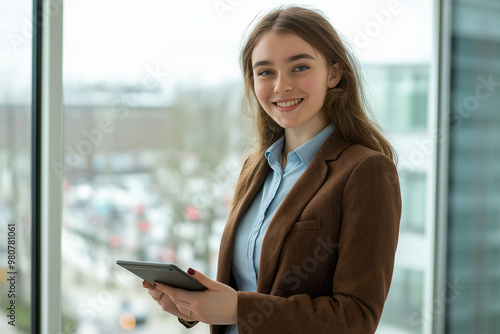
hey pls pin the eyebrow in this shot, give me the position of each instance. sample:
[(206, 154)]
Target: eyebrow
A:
[(289, 60)]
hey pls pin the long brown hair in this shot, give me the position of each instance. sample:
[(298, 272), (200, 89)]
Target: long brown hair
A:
[(345, 105)]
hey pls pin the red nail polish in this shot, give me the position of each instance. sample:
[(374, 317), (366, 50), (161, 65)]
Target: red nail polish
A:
[(191, 271)]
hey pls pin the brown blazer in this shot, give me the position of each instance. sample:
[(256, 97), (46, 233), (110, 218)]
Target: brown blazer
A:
[(328, 254)]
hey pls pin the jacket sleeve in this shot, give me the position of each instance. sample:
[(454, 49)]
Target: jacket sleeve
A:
[(371, 209)]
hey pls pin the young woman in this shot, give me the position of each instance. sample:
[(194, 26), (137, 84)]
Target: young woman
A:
[(309, 244)]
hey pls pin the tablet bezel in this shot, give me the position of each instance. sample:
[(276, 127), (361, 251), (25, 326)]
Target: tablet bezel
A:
[(166, 273)]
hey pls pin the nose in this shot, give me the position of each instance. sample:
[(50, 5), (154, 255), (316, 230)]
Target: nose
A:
[(282, 84)]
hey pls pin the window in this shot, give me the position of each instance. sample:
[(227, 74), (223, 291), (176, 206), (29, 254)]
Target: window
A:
[(15, 170), (406, 300), (413, 194), (153, 145), (400, 95), (474, 177)]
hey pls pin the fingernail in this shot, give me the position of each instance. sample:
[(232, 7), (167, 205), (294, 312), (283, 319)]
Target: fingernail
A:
[(191, 271)]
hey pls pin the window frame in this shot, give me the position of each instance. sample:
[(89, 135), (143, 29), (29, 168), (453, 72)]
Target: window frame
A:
[(442, 56), (36, 106), (47, 136)]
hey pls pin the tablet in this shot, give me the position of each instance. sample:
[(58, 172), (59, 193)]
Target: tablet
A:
[(166, 273)]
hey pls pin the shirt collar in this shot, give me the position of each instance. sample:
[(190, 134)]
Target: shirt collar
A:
[(273, 153), (306, 152)]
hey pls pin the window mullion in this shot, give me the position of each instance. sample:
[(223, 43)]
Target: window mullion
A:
[(51, 155)]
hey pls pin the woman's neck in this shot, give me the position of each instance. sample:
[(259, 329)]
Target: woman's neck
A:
[(296, 137)]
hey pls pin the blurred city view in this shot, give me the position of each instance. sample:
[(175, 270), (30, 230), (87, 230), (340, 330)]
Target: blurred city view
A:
[(157, 188), (154, 139)]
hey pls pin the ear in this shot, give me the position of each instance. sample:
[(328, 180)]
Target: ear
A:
[(335, 75)]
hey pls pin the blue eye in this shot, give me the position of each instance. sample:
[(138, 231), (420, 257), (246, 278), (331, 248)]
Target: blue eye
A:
[(301, 68), (264, 73)]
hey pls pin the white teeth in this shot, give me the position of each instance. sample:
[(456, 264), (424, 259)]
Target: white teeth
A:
[(288, 103)]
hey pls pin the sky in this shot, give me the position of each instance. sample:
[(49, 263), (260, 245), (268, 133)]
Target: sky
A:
[(198, 41)]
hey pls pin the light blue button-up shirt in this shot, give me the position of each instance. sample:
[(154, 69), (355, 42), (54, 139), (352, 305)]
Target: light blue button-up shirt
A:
[(254, 224)]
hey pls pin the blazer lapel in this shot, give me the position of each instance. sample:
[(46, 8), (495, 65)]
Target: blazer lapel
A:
[(228, 236), (291, 207), (294, 203)]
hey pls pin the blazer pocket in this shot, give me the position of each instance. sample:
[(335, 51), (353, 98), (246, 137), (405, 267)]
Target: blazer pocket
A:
[(306, 225)]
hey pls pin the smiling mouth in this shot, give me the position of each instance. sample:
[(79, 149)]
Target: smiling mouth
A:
[(288, 103)]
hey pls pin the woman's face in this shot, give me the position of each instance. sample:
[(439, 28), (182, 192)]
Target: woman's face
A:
[(291, 79)]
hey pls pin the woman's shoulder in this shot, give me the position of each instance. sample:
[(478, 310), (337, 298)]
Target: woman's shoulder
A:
[(359, 165), (338, 149), (363, 157), (360, 152), (345, 158)]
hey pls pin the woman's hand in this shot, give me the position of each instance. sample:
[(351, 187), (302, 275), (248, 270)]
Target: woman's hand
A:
[(217, 305), (164, 301)]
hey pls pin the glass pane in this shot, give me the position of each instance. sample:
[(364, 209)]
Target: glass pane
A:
[(154, 139), (473, 273), (15, 165), (153, 143), (397, 60)]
